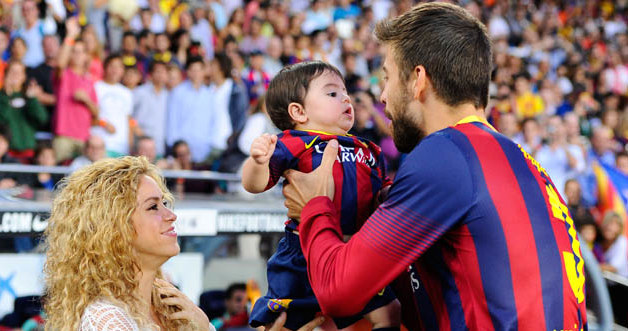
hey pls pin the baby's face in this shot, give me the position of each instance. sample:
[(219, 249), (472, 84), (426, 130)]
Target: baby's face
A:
[(327, 105)]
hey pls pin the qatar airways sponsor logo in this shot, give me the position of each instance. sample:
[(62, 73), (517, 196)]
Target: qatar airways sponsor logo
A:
[(348, 154)]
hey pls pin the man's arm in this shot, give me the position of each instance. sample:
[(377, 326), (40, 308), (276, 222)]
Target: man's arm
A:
[(432, 192)]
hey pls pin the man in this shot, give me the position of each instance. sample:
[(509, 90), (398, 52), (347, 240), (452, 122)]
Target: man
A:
[(33, 32), (472, 221), (94, 151), (189, 117), (43, 76), (150, 105), (560, 158), (115, 102), (235, 308)]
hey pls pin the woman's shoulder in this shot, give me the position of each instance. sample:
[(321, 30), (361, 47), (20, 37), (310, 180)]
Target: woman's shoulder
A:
[(102, 315)]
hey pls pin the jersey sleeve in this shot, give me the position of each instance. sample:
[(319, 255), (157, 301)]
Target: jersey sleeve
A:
[(431, 193), (279, 162)]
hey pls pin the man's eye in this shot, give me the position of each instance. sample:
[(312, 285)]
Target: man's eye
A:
[(332, 94)]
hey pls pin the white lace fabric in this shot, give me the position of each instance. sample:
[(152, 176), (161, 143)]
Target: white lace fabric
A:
[(104, 316)]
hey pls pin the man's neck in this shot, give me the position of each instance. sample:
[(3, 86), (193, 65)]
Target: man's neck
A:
[(158, 87), (440, 115)]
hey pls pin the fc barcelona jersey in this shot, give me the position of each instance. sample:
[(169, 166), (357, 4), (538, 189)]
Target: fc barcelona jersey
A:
[(359, 171)]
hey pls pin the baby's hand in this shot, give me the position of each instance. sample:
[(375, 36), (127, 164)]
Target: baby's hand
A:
[(263, 147)]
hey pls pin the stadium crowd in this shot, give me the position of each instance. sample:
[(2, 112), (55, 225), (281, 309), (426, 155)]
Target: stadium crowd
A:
[(182, 82)]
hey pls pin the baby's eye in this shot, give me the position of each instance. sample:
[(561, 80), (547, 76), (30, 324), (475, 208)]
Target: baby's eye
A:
[(332, 94)]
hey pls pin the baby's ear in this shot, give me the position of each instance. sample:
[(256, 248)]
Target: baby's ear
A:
[(297, 113)]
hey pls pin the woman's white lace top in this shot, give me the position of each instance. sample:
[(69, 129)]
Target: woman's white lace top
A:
[(104, 316)]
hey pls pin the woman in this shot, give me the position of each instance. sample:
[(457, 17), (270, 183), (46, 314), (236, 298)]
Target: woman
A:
[(109, 232), (95, 51), (20, 111), (614, 244)]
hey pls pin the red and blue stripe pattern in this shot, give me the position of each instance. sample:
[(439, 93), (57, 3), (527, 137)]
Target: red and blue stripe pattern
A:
[(359, 172), (490, 241)]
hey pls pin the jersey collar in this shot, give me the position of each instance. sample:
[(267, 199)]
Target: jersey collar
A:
[(475, 118)]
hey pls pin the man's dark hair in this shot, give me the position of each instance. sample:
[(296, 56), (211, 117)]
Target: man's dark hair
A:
[(129, 34), (452, 46), (621, 154), (233, 288), (155, 64), (191, 60), (110, 58), (291, 85), (144, 34), (225, 64)]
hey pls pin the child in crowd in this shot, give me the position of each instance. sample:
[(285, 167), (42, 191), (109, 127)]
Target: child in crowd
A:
[(309, 102)]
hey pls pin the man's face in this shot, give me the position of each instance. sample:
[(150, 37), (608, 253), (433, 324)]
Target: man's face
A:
[(51, 47), (95, 149), (29, 11), (237, 303), (196, 73), (401, 109)]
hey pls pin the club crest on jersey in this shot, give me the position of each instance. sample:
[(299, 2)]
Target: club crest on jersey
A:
[(278, 305)]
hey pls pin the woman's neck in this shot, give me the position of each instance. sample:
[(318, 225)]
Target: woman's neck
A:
[(145, 288)]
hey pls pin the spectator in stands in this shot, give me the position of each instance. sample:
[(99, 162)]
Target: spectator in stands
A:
[(531, 141), (369, 122), (182, 160), (32, 32), (145, 146), (561, 159), (7, 180), (20, 111), (109, 233), (527, 103), (94, 151), (573, 197), (5, 37), (181, 43), (229, 100), (614, 244), (272, 60), (18, 49), (235, 304), (150, 105), (255, 78), (590, 232), (189, 117), (132, 77), (255, 41), (77, 104), (115, 102), (44, 156), (130, 55), (601, 146), (94, 51), (43, 75)]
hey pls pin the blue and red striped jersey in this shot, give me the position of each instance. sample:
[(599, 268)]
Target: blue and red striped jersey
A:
[(479, 226), (359, 171)]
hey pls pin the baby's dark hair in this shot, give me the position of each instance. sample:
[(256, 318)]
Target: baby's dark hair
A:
[(291, 85)]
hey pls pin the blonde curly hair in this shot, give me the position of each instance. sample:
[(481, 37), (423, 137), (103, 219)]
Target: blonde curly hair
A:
[(89, 253)]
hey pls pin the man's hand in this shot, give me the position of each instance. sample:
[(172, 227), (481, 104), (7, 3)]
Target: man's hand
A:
[(263, 147), (302, 187), (281, 320)]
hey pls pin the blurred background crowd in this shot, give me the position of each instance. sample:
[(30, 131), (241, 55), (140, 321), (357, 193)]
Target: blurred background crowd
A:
[(182, 82)]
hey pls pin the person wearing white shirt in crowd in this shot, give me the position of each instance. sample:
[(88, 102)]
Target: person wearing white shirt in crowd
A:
[(221, 87), (562, 160), (150, 108), (115, 102), (191, 115), (32, 32)]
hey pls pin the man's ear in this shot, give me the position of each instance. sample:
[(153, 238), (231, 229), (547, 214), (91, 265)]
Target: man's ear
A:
[(418, 80), (297, 113)]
